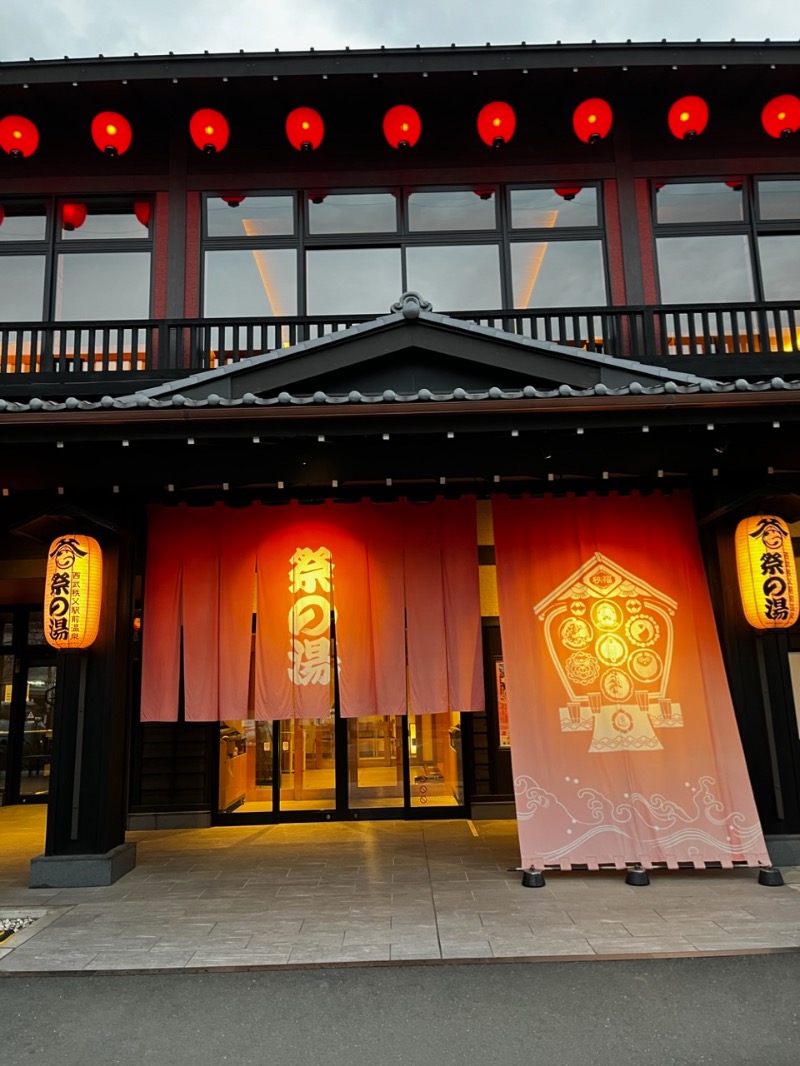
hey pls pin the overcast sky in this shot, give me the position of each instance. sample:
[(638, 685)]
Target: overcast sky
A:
[(46, 29)]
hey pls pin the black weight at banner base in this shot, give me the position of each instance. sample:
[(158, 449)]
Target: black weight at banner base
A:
[(637, 877), (770, 876), (532, 878)]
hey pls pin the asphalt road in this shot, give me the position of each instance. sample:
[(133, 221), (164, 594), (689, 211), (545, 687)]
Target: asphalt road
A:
[(671, 1011)]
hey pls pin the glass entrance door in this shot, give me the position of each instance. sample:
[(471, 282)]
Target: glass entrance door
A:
[(335, 768), (27, 699)]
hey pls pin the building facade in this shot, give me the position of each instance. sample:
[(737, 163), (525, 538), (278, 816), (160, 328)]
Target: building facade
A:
[(577, 279)]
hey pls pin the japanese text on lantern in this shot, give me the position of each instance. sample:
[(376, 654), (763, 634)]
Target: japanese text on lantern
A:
[(767, 574), (72, 592), (310, 581)]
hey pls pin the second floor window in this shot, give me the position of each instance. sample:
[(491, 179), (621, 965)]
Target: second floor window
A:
[(75, 260), (353, 253), (735, 241)]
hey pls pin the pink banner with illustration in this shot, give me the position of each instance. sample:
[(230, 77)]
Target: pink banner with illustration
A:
[(624, 744)]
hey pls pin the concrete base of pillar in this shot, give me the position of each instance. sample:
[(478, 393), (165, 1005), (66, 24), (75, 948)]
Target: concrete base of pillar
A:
[(82, 871)]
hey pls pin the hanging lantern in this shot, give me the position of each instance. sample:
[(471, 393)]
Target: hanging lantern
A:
[(496, 123), (209, 130), (767, 573), (688, 117), (233, 201), (143, 210), (736, 185), (592, 120), (2, 216), (484, 192), (305, 129), (112, 133), (73, 216), (317, 196), (567, 192), (72, 591), (402, 126), (18, 136), (781, 116)]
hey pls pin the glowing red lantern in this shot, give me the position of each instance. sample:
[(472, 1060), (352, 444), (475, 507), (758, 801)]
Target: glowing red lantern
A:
[(111, 132), (233, 201), (143, 209), (688, 117), (484, 192), (567, 192), (781, 116), (73, 215), (2, 216), (18, 136), (402, 126), (735, 185), (592, 120), (209, 130), (305, 129), (496, 123)]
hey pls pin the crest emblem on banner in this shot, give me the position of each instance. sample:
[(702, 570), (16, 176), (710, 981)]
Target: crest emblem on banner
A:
[(610, 637)]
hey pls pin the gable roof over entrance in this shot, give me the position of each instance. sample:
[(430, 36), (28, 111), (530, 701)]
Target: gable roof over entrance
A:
[(413, 348)]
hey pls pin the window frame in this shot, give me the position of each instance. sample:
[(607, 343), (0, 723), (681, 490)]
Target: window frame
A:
[(501, 236), (751, 226), (54, 245)]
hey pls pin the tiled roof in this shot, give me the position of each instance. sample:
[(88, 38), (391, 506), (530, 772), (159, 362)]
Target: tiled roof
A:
[(141, 400)]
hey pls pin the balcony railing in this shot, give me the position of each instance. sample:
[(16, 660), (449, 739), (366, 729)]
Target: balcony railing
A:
[(718, 340)]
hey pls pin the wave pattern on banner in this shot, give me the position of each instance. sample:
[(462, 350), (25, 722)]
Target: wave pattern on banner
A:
[(602, 815)]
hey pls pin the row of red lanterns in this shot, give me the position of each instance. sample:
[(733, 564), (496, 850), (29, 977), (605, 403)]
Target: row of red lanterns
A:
[(402, 125)]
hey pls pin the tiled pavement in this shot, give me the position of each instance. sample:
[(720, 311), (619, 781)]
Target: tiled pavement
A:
[(367, 892)]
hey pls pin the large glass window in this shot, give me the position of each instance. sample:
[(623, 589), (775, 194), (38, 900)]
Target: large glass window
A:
[(251, 282), (366, 212), (558, 274), (337, 254), (566, 206), (353, 281), (707, 269), (75, 259), (458, 277), (728, 241)]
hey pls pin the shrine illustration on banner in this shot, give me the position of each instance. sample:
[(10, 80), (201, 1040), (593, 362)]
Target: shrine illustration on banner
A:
[(610, 637)]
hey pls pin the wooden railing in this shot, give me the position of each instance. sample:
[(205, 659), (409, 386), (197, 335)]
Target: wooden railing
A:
[(725, 339)]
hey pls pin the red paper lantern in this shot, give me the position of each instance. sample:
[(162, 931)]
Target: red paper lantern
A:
[(143, 210), (567, 192), (484, 192), (305, 129), (735, 185), (402, 126), (73, 215), (688, 117), (18, 136), (781, 116), (209, 130), (233, 201), (592, 120), (111, 132), (2, 216), (496, 123)]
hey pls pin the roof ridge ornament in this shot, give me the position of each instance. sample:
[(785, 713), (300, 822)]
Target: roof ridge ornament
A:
[(410, 305)]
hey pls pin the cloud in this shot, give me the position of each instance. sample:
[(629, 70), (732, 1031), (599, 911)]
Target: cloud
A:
[(53, 28)]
